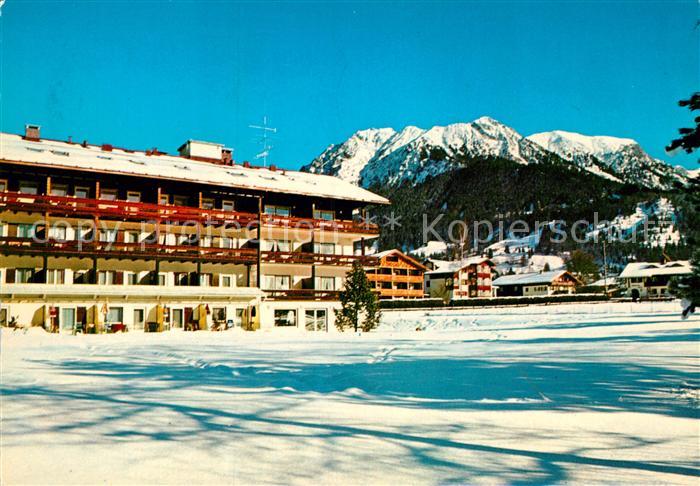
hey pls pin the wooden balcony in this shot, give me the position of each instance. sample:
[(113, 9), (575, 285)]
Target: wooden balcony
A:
[(73, 207), (119, 250), (401, 293), (382, 277)]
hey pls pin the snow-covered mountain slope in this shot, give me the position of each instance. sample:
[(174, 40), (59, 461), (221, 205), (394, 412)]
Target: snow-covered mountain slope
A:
[(389, 157), (622, 158), (414, 153)]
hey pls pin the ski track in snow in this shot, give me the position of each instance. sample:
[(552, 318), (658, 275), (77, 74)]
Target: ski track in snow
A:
[(544, 394)]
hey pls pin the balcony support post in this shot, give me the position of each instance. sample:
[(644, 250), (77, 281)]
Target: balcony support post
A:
[(156, 273), (45, 267), (94, 270), (258, 279), (198, 281)]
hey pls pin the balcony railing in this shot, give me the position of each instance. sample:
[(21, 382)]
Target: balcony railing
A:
[(302, 294), (100, 249), (383, 277), (68, 206)]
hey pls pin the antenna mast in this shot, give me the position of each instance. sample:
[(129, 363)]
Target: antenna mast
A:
[(264, 140)]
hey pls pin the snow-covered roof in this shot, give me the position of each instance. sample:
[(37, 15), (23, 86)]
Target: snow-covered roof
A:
[(453, 267), (649, 269), (529, 278), (53, 153), (400, 254)]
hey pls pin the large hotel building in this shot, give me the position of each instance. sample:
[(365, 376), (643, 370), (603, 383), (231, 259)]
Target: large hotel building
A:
[(96, 238)]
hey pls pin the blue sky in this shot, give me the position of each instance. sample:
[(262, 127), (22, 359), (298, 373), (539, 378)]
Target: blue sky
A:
[(153, 74)]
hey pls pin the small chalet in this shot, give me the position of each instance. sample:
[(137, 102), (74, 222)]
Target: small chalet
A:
[(462, 279), (535, 284), (397, 276), (646, 279)]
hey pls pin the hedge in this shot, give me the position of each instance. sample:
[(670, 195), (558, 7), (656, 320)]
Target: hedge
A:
[(495, 301)]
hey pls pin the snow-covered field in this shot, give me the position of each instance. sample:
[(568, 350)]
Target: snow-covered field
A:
[(589, 393)]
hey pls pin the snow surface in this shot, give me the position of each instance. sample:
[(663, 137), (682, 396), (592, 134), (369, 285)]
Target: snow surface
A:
[(546, 394)]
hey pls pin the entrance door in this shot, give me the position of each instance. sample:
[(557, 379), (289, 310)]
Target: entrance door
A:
[(178, 318), (67, 319)]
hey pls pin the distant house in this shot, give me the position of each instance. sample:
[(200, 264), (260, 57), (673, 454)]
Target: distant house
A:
[(462, 279), (646, 279), (533, 284), (397, 276)]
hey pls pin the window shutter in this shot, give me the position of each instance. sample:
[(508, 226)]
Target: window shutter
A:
[(10, 278), (12, 230), (118, 278), (215, 280)]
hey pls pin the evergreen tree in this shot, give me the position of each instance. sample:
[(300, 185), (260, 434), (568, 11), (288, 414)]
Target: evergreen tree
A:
[(359, 304), (688, 287), (583, 265)]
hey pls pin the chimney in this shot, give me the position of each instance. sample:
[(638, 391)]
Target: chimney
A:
[(106, 147), (246, 164), (227, 156), (31, 132), (273, 167)]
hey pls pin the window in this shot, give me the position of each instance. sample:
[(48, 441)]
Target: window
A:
[(106, 277), (108, 194), (227, 205), (108, 236), (325, 283), (132, 236), (324, 214), (26, 231), (139, 319), (238, 319), (115, 315), (81, 277), (164, 199), (205, 241), (59, 189), (24, 275), (3, 317), (58, 233), (276, 282), (180, 200), (182, 279), (228, 242), (207, 203), (178, 318), (228, 281), (28, 187), (315, 320), (132, 278), (3, 185), (278, 210), (205, 279), (324, 248), (57, 277), (218, 314), (276, 245), (161, 279), (133, 196), (285, 317), (82, 192)]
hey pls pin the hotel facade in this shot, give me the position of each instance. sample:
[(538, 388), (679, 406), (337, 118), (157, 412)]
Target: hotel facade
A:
[(98, 238)]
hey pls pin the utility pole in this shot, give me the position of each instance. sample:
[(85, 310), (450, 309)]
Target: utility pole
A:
[(605, 265)]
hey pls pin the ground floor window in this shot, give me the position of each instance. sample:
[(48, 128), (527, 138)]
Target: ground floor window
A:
[(178, 318), (285, 317), (3, 317), (218, 314), (238, 320), (115, 315), (139, 319), (316, 320)]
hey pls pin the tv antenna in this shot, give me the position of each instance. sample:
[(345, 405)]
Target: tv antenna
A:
[(264, 140)]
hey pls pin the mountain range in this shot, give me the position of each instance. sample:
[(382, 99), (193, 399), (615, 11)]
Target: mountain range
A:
[(385, 156)]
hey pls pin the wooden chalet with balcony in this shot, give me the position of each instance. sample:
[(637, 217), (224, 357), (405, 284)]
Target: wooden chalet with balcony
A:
[(397, 276)]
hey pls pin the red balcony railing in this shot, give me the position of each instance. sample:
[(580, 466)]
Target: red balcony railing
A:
[(100, 249), (68, 206), (302, 294)]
